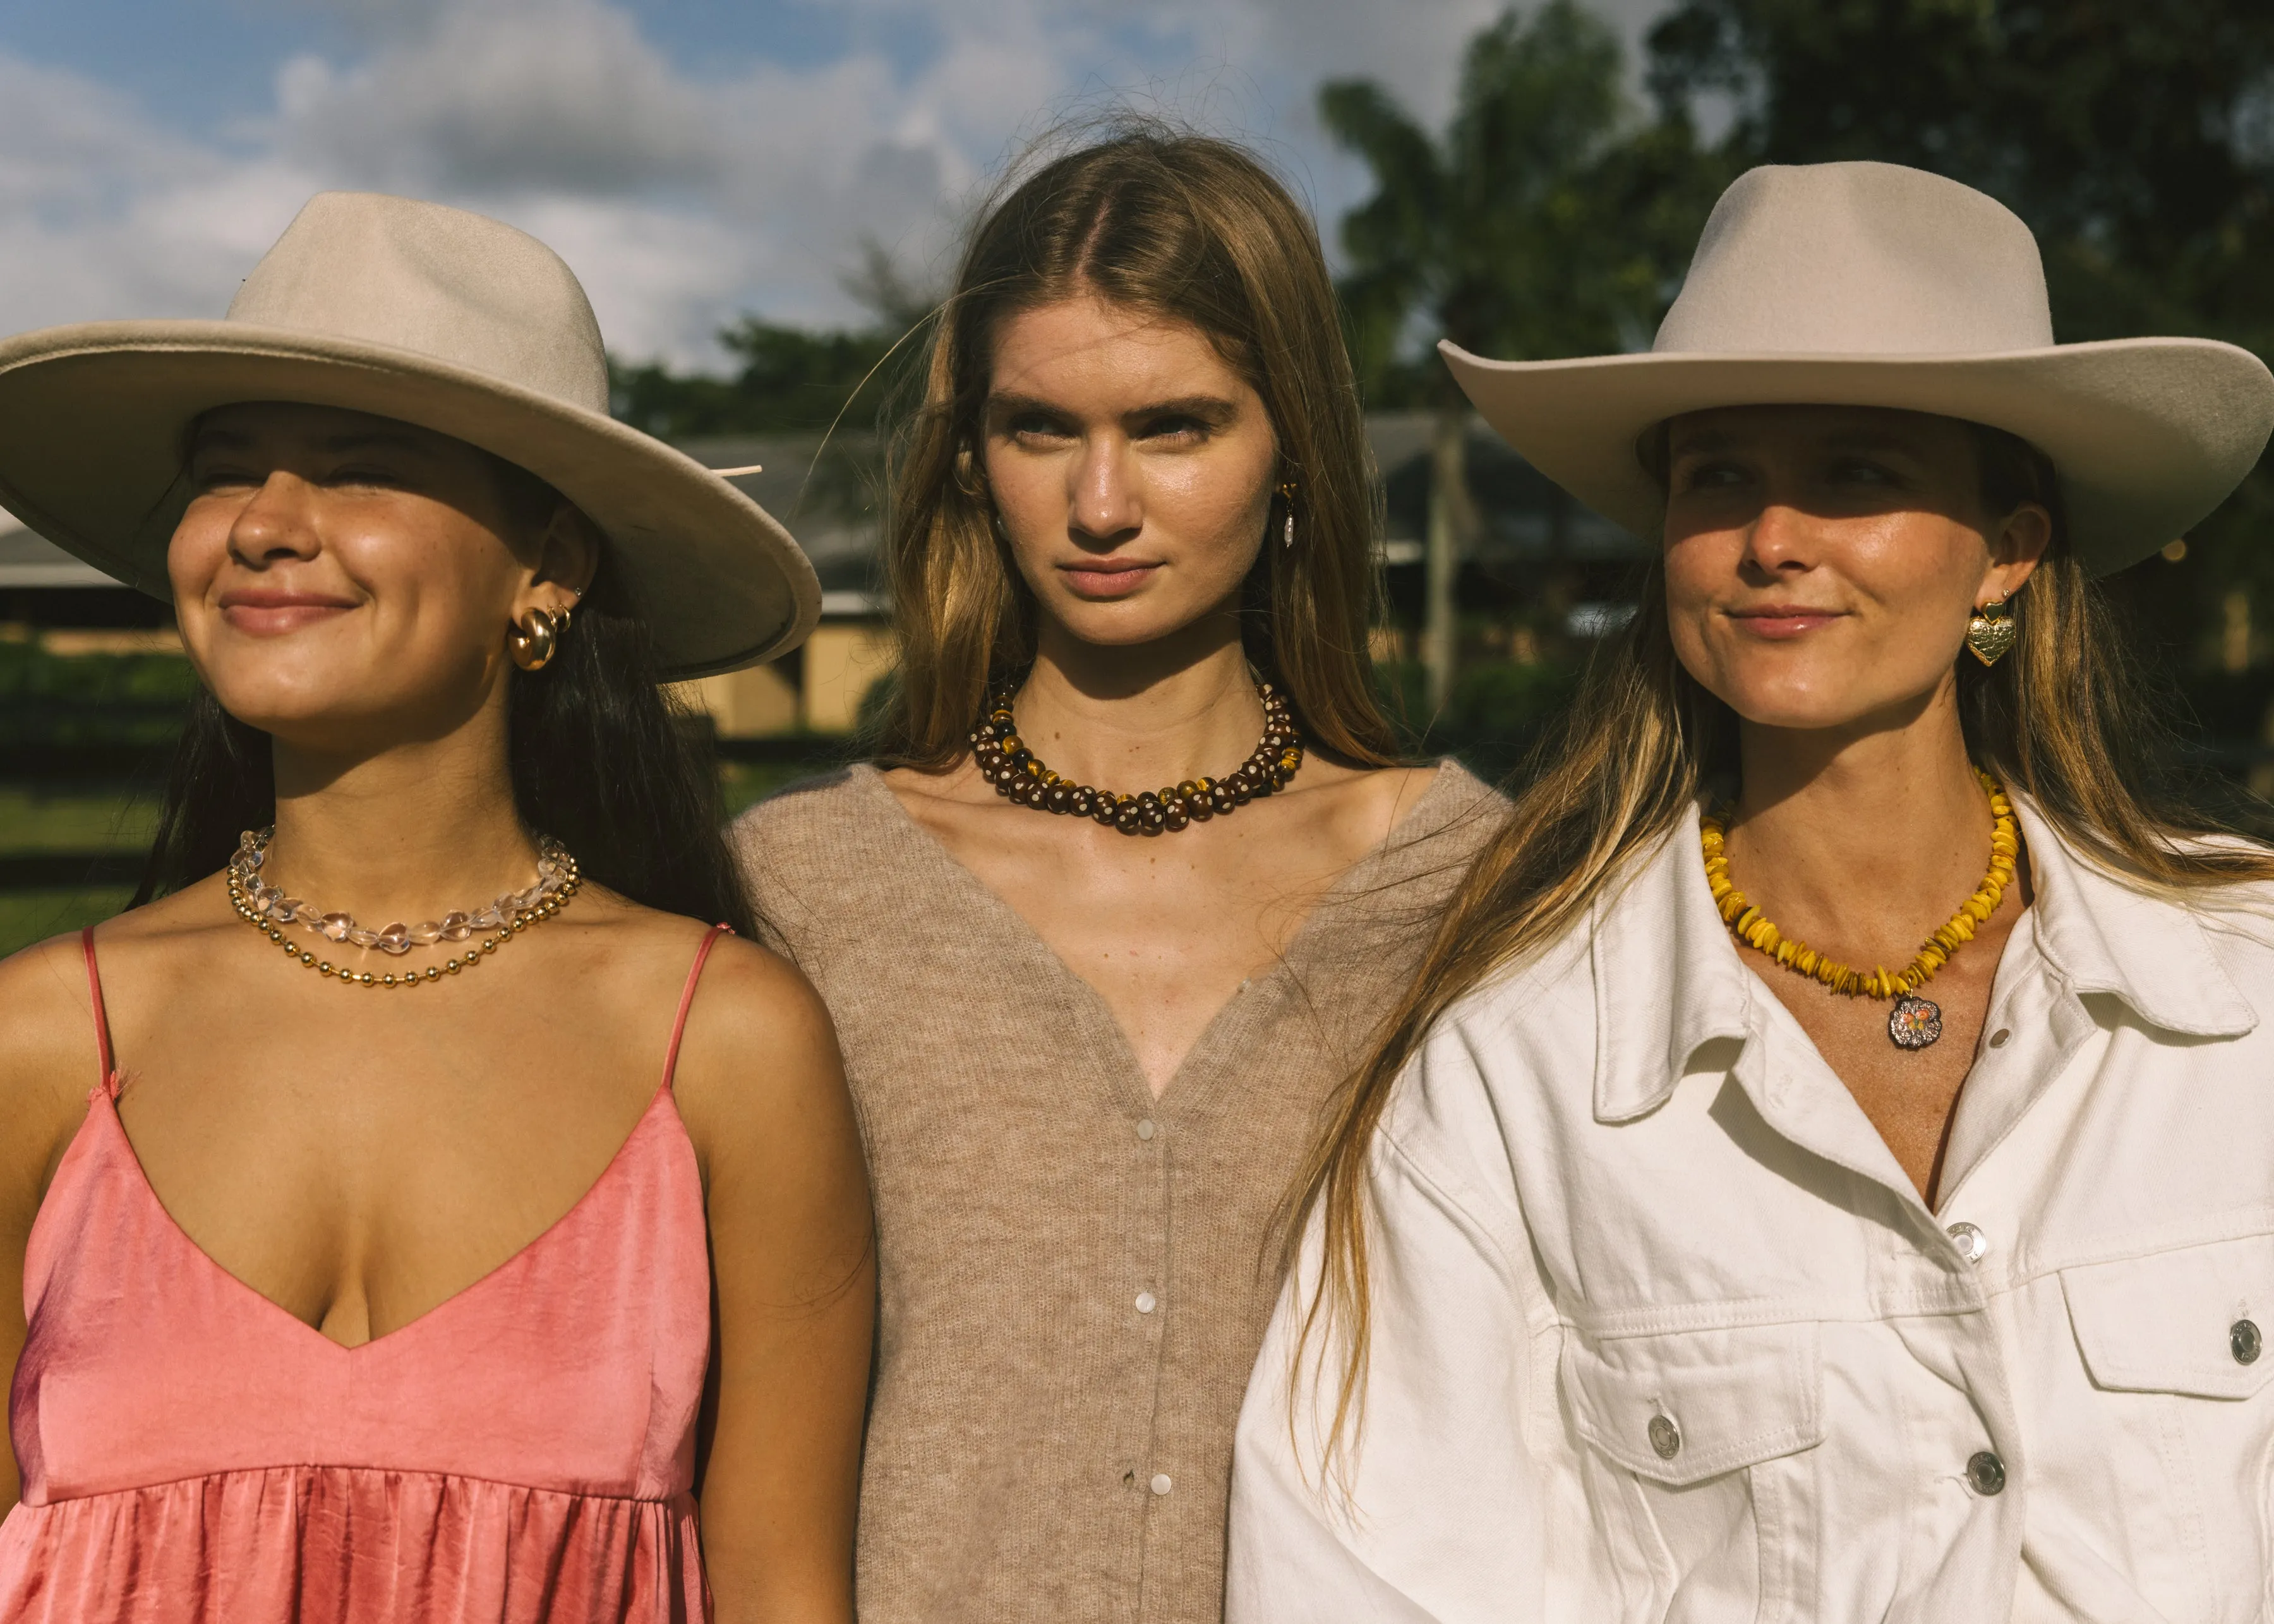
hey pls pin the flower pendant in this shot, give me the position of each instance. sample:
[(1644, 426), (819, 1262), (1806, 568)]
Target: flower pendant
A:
[(1915, 1022)]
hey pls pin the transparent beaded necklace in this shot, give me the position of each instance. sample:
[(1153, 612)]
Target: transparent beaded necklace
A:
[(268, 910)]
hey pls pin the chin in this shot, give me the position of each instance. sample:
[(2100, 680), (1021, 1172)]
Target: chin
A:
[(1121, 622), (1782, 707)]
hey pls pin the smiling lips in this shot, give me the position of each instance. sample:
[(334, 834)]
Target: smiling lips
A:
[(1782, 623), (1106, 577), (265, 613)]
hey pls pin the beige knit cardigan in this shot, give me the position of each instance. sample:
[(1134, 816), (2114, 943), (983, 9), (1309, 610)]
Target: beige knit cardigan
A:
[(1074, 1276)]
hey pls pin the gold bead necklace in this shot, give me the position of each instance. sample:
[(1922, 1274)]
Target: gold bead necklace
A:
[(1915, 1022), (266, 909)]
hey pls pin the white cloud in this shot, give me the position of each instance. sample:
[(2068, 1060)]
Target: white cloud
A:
[(682, 198), (544, 94)]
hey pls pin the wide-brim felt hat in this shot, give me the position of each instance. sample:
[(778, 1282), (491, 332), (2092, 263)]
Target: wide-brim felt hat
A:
[(1872, 284), (432, 316)]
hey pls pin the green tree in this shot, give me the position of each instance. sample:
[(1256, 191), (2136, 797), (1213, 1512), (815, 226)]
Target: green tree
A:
[(1548, 220), (2137, 141), (790, 379)]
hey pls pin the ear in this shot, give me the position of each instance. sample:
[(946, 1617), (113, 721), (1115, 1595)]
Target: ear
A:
[(2016, 548), (568, 558)]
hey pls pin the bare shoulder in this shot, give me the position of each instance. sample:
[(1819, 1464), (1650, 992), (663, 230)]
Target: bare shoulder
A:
[(1363, 806), (932, 798), (1394, 792), (758, 1058), (49, 1061)]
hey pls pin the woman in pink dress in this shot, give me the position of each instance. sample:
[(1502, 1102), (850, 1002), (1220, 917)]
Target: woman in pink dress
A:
[(544, 1294)]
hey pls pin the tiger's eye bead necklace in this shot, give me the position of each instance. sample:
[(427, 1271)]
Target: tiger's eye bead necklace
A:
[(1020, 777), (1915, 1022), (268, 910)]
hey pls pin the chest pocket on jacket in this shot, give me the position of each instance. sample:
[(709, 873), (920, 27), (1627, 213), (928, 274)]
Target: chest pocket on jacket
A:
[(1699, 1468), (2178, 1340), (2195, 1321)]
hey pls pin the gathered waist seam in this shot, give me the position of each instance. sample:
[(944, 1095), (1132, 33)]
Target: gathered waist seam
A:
[(331, 1469)]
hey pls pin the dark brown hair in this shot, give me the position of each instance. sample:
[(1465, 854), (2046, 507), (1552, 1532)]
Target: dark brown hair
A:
[(2066, 718), (603, 757), (1178, 225)]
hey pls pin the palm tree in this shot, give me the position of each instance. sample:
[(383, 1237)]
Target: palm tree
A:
[(1545, 222)]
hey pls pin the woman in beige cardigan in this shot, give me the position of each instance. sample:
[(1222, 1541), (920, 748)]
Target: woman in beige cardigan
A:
[(1091, 1031)]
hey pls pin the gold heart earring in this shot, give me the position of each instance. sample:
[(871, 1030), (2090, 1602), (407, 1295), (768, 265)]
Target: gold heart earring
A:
[(1992, 632)]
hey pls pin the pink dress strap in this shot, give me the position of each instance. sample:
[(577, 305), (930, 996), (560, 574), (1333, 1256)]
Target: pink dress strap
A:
[(102, 1019), (686, 997)]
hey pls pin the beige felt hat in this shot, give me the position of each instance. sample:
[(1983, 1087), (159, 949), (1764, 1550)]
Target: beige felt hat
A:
[(431, 316), (1870, 284)]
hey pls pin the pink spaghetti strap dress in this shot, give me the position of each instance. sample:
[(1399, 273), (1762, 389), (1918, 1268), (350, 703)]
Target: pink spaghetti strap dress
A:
[(524, 1451)]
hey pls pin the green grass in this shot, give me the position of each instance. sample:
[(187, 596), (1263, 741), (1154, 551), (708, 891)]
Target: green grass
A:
[(32, 820), (29, 916)]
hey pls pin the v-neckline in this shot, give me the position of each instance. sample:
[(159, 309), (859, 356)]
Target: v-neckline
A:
[(106, 1099), (1172, 1096)]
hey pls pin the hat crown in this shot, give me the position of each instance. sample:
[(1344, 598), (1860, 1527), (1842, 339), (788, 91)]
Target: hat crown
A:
[(1859, 260), (458, 287)]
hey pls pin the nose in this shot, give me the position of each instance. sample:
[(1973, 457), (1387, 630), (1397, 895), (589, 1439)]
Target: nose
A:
[(1779, 540), (275, 523), (1104, 503)]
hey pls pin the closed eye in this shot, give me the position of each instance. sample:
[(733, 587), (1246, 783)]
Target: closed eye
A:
[(1033, 427), (214, 474), (1174, 429), (1712, 474), (1864, 470)]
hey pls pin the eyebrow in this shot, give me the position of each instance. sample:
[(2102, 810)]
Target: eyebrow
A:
[(1214, 406)]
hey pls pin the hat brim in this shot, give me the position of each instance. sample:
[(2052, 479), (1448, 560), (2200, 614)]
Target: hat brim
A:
[(93, 419), (2147, 434)]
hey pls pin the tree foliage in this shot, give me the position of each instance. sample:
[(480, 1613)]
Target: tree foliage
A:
[(1548, 220), (2136, 140), (790, 379)]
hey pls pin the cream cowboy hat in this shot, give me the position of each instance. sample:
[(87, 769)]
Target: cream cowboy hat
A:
[(431, 316), (1870, 284)]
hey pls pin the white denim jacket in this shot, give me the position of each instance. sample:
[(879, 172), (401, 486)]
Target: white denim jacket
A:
[(1661, 1331)]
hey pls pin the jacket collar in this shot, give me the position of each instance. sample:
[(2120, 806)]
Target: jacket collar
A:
[(2103, 935), (1669, 980)]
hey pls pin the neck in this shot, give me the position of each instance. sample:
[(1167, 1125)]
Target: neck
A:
[(1131, 719), (1869, 827), (407, 833)]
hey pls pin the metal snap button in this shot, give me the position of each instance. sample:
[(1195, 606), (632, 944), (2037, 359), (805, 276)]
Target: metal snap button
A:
[(1986, 1473), (2244, 1342), (1972, 1243), (1665, 1436)]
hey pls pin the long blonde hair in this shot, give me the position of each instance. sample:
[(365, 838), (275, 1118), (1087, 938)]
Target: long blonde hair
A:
[(2064, 717), (1179, 225)]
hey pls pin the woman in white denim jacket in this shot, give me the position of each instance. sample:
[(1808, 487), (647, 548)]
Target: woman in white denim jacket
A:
[(1647, 1275)]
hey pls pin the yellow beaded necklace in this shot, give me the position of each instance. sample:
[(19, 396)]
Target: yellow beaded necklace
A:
[(1915, 1022)]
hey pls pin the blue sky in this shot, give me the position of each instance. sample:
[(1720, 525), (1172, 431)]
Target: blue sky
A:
[(692, 158)]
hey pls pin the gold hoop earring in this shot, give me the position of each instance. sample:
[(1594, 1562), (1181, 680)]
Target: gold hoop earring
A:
[(1287, 495), (1992, 632), (533, 643)]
